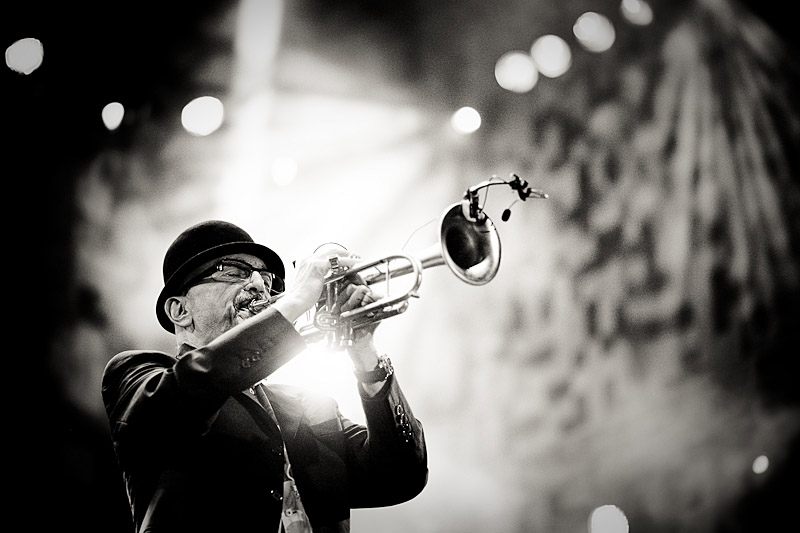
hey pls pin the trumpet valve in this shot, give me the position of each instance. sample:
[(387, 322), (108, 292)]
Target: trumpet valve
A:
[(325, 320), (345, 335)]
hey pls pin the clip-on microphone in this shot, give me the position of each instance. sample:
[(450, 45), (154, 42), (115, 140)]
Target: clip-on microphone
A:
[(474, 213)]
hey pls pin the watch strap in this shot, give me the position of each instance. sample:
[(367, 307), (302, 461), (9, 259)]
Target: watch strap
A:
[(378, 374)]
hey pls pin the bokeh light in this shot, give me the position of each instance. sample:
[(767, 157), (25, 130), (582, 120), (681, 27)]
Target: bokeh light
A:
[(761, 464), (594, 31), (466, 120), (608, 519), (516, 72), (25, 55), (202, 116), (552, 55), (637, 12), (112, 115)]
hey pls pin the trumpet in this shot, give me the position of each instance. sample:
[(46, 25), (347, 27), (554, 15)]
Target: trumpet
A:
[(468, 244)]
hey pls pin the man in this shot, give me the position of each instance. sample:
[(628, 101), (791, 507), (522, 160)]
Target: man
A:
[(204, 445)]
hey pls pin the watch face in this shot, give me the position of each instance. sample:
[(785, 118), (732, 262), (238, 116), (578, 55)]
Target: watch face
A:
[(386, 364)]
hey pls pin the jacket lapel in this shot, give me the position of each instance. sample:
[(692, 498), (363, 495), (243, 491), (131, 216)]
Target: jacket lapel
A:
[(288, 410), (259, 413)]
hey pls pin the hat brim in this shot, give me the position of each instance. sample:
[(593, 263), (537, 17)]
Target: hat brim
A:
[(272, 261)]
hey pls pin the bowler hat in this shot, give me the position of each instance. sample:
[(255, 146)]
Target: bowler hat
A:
[(200, 244)]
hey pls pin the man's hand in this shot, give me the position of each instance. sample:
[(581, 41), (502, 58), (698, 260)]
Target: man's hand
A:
[(309, 283), (362, 352), (355, 293)]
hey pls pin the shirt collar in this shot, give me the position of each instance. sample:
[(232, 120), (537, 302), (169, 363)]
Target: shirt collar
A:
[(185, 347)]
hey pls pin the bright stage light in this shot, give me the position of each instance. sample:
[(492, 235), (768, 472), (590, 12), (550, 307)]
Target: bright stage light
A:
[(466, 120), (516, 72), (25, 55), (202, 116), (552, 55), (594, 31), (326, 372)]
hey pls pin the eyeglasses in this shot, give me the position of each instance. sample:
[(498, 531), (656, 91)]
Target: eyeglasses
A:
[(236, 271)]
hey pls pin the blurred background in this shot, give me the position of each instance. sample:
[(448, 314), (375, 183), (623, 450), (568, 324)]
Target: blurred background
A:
[(633, 365)]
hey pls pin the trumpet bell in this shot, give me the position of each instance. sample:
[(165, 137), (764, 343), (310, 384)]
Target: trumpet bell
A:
[(471, 250)]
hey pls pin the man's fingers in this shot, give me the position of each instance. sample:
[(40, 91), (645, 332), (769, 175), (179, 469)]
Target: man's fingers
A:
[(355, 296)]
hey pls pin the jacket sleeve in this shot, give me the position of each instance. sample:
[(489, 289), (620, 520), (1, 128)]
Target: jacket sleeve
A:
[(388, 457), (240, 357), (162, 399)]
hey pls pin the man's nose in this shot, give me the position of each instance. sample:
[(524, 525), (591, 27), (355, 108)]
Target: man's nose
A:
[(256, 283)]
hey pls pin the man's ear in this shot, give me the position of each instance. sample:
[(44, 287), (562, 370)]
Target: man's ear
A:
[(176, 310)]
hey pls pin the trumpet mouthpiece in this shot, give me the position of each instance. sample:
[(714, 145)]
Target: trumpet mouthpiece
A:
[(256, 306)]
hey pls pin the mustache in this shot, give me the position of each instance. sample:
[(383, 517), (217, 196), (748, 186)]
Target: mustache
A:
[(243, 301), (255, 303)]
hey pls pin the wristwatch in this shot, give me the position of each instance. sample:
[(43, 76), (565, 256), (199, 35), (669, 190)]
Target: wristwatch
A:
[(380, 373)]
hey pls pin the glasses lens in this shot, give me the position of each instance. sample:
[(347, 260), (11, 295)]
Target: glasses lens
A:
[(277, 286), (234, 270), (274, 283)]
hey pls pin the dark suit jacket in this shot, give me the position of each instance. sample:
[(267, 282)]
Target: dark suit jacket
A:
[(197, 454)]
